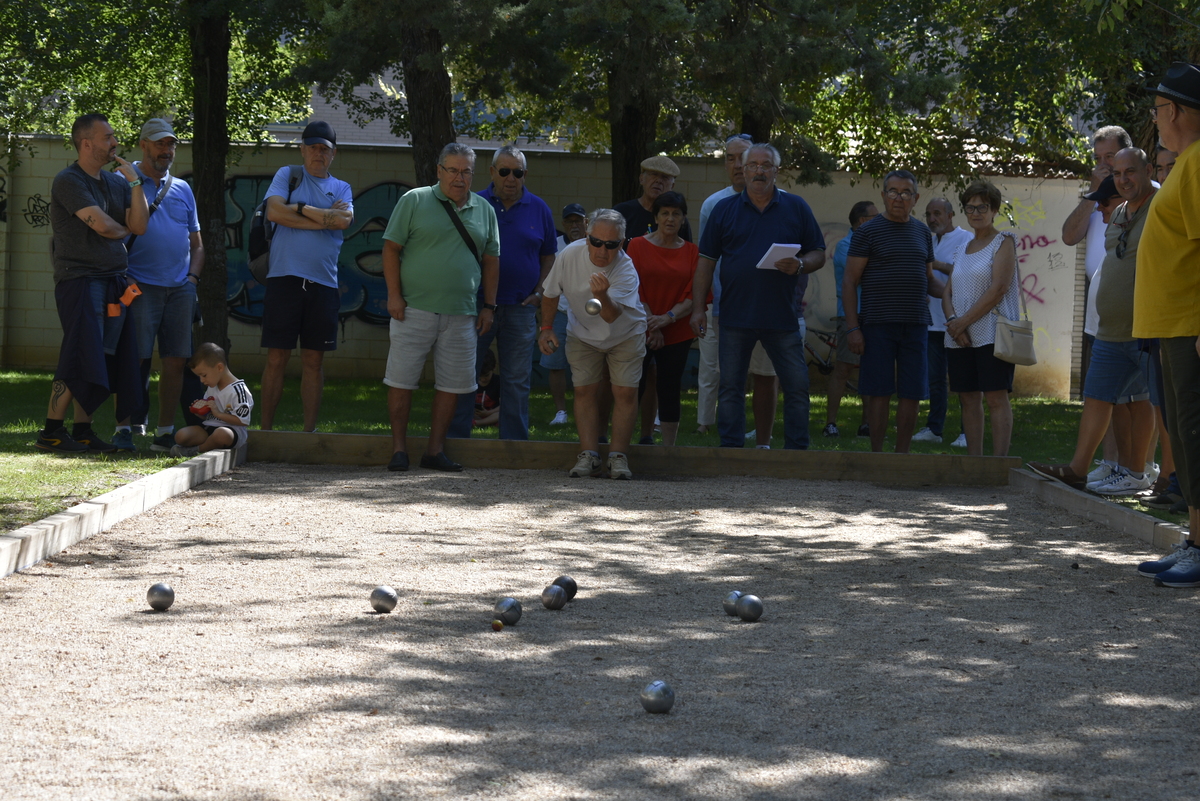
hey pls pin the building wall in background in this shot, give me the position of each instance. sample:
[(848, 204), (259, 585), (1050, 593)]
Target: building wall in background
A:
[(30, 332)]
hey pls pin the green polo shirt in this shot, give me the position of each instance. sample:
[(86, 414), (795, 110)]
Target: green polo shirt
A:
[(437, 271)]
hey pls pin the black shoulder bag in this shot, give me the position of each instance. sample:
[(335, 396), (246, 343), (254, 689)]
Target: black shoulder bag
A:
[(462, 230)]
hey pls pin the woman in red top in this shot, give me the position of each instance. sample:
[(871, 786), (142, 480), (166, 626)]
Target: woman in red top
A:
[(665, 264)]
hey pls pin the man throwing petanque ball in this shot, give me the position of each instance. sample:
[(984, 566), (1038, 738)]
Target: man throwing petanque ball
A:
[(597, 267)]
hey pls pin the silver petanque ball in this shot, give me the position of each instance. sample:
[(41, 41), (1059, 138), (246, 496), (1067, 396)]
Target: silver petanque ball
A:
[(749, 608), (160, 597), (569, 586), (554, 597), (508, 611), (592, 306), (730, 603), (384, 599), (658, 697)]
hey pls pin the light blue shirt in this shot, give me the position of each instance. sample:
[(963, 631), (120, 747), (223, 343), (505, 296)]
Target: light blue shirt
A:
[(839, 268), (163, 255), (308, 254)]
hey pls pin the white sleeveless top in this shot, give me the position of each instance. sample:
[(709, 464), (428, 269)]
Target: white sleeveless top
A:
[(971, 278)]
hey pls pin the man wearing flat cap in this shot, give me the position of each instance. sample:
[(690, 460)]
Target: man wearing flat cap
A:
[(1166, 300), (658, 176), (166, 262), (302, 298)]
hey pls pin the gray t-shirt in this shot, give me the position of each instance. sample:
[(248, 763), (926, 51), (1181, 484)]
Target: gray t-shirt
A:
[(1114, 296), (78, 250)]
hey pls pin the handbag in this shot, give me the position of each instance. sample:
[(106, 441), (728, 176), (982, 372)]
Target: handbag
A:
[(1014, 338)]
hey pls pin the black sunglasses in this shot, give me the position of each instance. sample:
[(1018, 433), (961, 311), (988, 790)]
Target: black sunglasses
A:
[(504, 171), (600, 243), (743, 136)]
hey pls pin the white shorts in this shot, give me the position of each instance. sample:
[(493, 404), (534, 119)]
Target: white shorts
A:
[(451, 338), (760, 362)]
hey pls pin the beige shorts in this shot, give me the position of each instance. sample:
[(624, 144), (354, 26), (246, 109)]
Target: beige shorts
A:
[(760, 362), (844, 354), (624, 362)]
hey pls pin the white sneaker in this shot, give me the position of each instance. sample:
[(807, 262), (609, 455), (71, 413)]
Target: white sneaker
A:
[(618, 466), (961, 442), (762, 447), (1101, 473), (751, 434), (1153, 471), (586, 465), (1121, 483), (925, 435), (560, 419), (185, 451)]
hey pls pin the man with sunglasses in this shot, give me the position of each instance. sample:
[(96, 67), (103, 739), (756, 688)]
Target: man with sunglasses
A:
[(1120, 366), (527, 247), (614, 337)]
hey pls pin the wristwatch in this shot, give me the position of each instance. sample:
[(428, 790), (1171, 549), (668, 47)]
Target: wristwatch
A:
[(135, 184), (671, 314), (490, 306), (300, 207)]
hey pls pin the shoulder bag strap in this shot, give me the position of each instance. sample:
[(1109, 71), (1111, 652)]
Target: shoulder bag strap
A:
[(158, 199), (1020, 294), (462, 230)]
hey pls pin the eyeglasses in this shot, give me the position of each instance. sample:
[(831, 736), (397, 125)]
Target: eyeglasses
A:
[(744, 137), (1122, 242), (755, 166), (504, 172), (1154, 110), (601, 243), (904, 194), (977, 209), (456, 173)]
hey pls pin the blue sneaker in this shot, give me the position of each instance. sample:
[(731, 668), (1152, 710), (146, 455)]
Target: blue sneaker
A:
[(1152, 569), (163, 443), (1185, 573), (123, 441)]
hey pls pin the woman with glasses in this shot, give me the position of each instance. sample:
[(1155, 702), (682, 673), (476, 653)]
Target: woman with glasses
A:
[(984, 279), (666, 265)]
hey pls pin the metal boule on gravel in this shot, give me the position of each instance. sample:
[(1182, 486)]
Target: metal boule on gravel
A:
[(554, 597), (384, 599), (730, 603), (160, 597), (508, 611), (593, 306), (749, 608), (569, 586), (658, 697)]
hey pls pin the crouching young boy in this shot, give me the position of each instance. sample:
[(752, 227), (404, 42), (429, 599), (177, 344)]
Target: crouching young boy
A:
[(224, 410)]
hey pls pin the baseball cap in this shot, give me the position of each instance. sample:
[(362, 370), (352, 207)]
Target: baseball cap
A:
[(1107, 189), (319, 133), (573, 209), (156, 129)]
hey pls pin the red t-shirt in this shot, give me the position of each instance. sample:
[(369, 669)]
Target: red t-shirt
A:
[(665, 275)]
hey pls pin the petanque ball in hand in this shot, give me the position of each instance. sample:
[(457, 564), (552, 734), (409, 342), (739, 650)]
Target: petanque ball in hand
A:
[(658, 697), (569, 586), (592, 306), (730, 603), (554, 597), (508, 611), (160, 597), (384, 599), (749, 608)]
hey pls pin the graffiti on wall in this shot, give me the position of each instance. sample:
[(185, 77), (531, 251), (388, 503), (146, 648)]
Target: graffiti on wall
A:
[(360, 270), (3, 199), (37, 212)]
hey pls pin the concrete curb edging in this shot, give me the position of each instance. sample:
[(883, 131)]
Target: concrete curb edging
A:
[(31, 544), (1159, 535)]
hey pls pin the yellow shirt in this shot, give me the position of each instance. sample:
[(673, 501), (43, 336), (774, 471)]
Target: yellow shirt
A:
[(1166, 294)]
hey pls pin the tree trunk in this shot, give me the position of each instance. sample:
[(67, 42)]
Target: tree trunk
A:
[(633, 125), (757, 123), (210, 148), (427, 85)]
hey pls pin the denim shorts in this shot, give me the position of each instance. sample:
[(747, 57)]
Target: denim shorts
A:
[(558, 359), (166, 312), (450, 337), (1119, 371), (894, 360)]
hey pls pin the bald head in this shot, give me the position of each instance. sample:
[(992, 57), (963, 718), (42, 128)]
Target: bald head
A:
[(939, 216)]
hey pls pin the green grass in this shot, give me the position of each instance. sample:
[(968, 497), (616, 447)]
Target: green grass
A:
[(35, 484)]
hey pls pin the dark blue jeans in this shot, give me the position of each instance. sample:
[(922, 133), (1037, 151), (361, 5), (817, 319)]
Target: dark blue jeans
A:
[(515, 330), (787, 356), (939, 389)]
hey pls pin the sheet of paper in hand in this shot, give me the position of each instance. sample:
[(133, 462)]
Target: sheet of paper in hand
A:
[(777, 252)]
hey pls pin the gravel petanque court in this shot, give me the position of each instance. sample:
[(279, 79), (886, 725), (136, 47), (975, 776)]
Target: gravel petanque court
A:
[(917, 643)]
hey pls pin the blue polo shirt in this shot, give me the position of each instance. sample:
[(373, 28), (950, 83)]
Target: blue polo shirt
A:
[(738, 234), (162, 255), (308, 254), (526, 234)]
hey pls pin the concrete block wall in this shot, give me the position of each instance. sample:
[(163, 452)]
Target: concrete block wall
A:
[(30, 328)]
